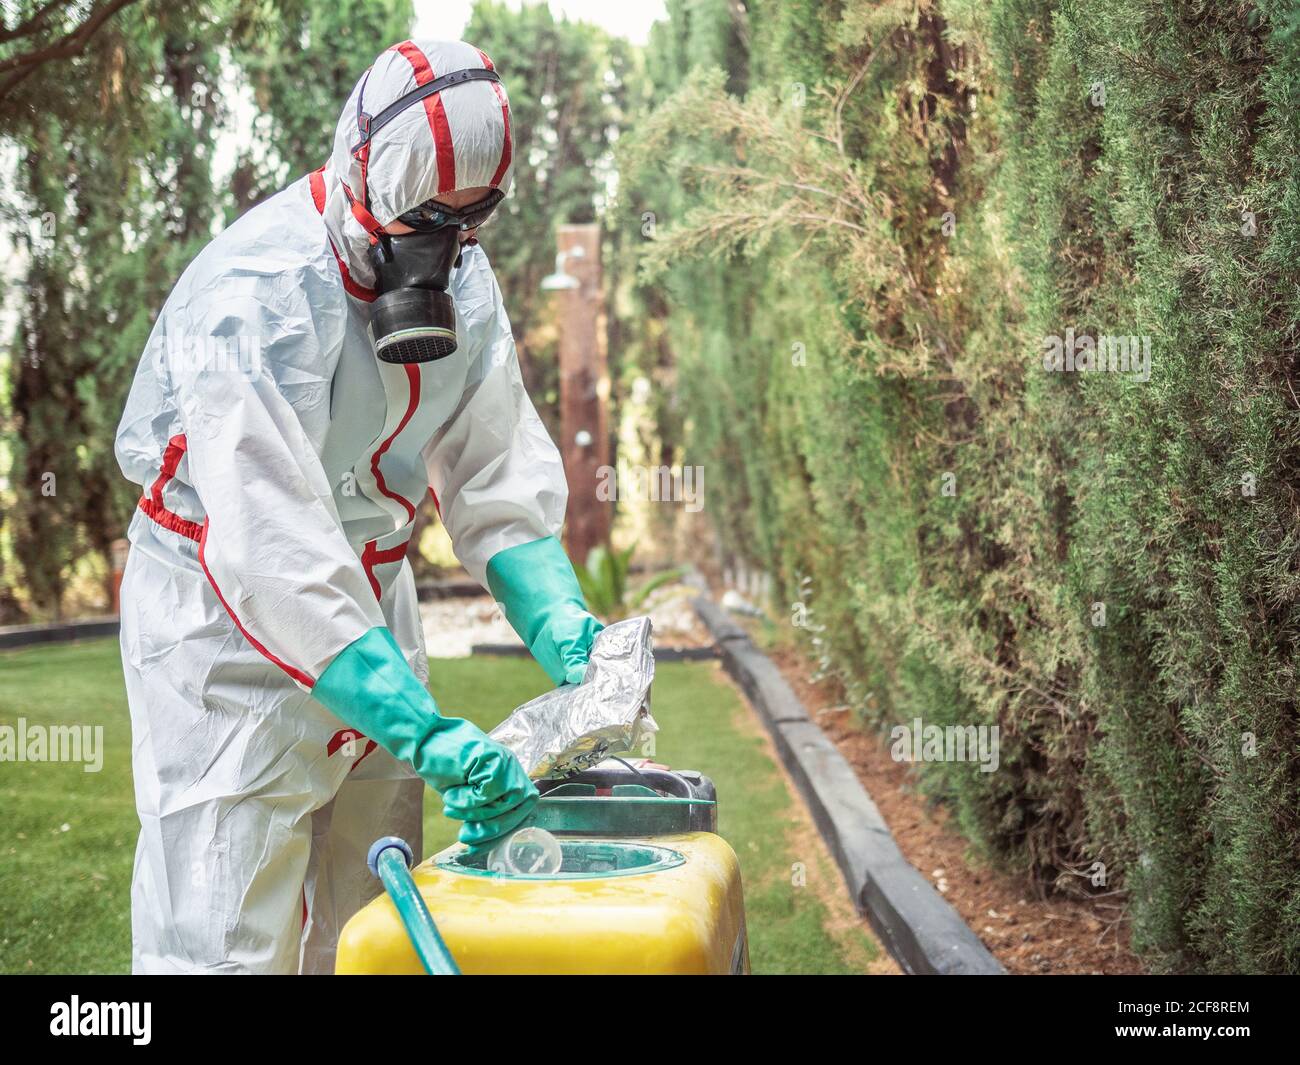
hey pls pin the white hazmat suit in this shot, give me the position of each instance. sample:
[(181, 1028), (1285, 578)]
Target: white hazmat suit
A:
[(281, 465)]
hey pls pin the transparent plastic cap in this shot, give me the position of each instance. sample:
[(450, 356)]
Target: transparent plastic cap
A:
[(527, 852)]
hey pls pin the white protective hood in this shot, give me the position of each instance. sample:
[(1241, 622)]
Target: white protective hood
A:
[(464, 130)]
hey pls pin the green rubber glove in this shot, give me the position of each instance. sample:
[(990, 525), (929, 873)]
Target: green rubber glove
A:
[(372, 689), (536, 585)]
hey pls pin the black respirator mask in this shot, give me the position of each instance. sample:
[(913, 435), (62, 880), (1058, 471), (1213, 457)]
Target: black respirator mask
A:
[(413, 319)]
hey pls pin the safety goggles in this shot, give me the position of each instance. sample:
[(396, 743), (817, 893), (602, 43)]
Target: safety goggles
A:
[(432, 215)]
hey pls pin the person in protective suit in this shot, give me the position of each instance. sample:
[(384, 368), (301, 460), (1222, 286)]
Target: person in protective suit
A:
[(337, 352)]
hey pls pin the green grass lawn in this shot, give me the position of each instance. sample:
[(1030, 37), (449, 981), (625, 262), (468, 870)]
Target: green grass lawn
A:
[(67, 837)]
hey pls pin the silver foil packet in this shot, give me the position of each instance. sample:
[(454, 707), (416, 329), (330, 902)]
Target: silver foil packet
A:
[(570, 729)]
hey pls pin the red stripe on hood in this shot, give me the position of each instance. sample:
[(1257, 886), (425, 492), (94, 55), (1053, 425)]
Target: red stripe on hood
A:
[(353, 288), (436, 113), (506, 149)]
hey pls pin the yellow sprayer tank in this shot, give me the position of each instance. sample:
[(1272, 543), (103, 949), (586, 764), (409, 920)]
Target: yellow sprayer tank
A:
[(645, 885)]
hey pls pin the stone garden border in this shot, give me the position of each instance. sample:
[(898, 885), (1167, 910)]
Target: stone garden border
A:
[(917, 926)]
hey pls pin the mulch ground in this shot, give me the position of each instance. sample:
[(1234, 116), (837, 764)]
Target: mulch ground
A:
[(1028, 934)]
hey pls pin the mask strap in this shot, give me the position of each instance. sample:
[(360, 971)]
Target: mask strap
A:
[(359, 211), (369, 126), (361, 153)]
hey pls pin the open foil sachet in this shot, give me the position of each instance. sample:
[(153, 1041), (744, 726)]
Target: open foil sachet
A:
[(578, 725)]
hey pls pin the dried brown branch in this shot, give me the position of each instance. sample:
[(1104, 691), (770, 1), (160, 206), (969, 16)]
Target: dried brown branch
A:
[(21, 66), (849, 87)]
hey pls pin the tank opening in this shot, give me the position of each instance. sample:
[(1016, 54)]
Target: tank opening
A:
[(581, 859)]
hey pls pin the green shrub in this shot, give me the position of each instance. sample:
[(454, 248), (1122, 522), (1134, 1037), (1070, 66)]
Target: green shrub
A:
[(1103, 566)]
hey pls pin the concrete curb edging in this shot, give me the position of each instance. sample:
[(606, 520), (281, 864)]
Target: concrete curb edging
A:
[(917, 926), (12, 636), (452, 588)]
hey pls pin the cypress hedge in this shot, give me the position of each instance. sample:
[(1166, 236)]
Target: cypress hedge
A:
[(883, 224)]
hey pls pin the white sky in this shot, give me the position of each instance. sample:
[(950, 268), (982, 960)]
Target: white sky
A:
[(621, 18)]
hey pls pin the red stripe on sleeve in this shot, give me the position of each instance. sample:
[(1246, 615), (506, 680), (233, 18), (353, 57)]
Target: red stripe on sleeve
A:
[(372, 557), (296, 674), (153, 505)]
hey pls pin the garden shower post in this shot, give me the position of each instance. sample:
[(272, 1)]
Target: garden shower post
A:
[(584, 385)]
